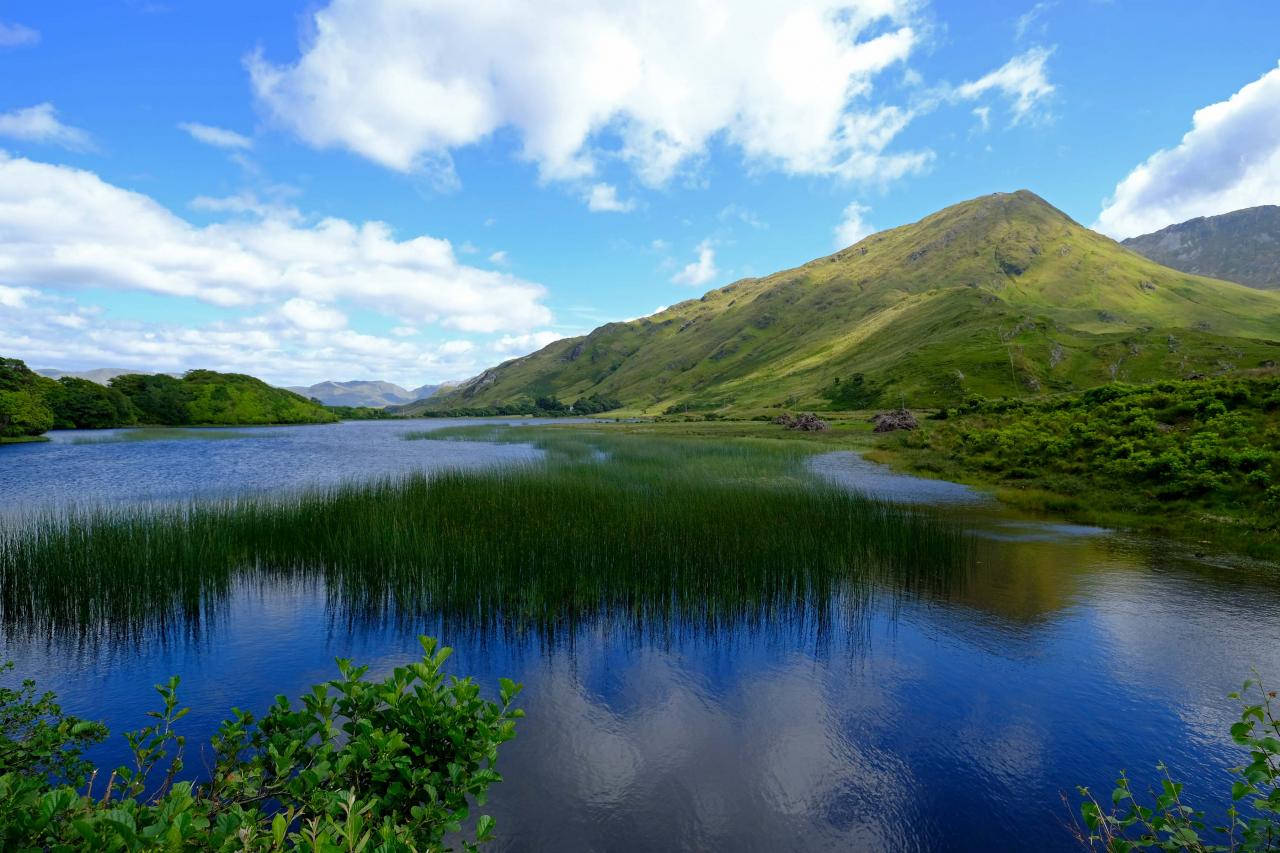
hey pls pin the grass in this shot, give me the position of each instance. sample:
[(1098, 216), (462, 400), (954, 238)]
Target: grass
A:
[(643, 533)]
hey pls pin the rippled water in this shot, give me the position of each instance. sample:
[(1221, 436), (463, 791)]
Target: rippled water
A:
[(952, 721)]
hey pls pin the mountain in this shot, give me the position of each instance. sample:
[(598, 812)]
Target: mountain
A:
[(1243, 246), (1000, 295), (101, 375), (358, 392)]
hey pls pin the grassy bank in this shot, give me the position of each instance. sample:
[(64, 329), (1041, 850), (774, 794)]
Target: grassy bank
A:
[(1198, 458), (648, 534)]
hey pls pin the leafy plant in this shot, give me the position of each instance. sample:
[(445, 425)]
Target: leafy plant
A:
[(391, 765), (1169, 823)]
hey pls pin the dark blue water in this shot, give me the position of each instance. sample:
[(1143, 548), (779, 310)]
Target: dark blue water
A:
[(954, 723)]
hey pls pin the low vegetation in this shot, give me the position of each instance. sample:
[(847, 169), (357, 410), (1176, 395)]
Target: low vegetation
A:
[(542, 407), (358, 764), (31, 404), (1170, 823), (641, 532), (1158, 454)]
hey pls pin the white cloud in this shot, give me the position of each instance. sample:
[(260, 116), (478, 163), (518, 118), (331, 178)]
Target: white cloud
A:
[(270, 346), (788, 82), (702, 270), (853, 227), (216, 136), (306, 314), (40, 124), (404, 331), (1032, 20), (984, 116), (15, 297), (603, 198), (1023, 80), (744, 215), (1230, 159), (248, 204), (498, 257), (16, 35), (522, 344), (67, 228)]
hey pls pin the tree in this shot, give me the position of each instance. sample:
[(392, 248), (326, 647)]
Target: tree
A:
[(81, 404), (23, 411)]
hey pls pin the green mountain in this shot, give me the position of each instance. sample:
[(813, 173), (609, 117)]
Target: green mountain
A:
[(31, 404), (1001, 295), (1243, 246)]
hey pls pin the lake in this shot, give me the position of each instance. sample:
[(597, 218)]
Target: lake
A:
[(957, 718)]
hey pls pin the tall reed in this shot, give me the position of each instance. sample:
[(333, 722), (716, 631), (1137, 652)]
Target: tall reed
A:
[(633, 531)]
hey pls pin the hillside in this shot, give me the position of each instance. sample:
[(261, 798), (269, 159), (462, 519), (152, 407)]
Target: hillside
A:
[(1001, 295), (31, 404), (1243, 246)]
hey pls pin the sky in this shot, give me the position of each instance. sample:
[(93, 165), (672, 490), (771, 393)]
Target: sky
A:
[(414, 190)]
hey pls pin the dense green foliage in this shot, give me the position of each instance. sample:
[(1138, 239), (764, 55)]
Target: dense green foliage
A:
[(1001, 295), (359, 413), (1164, 450), (612, 527), (23, 409), (543, 407), (81, 404), (1171, 824), (31, 404), (389, 765)]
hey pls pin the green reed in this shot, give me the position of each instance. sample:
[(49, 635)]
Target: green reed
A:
[(635, 531)]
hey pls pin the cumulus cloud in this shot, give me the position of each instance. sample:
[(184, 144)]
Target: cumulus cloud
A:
[(306, 314), (853, 226), (66, 228), (788, 82), (1022, 80), (15, 297), (700, 271), (218, 137), (521, 344), (41, 124), (1230, 159), (603, 198), (49, 330), (16, 35)]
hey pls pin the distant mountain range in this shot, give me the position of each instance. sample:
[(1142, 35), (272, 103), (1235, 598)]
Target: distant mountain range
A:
[(1000, 295), (101, 375), (1243, 246), (372, 393)]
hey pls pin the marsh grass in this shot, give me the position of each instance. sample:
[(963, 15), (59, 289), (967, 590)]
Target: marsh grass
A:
[(640, 533)]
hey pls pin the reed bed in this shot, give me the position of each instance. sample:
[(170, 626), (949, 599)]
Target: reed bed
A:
[(625, 529)]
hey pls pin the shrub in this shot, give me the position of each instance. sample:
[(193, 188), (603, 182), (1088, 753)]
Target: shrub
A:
[(1169, 823), (380, 765)]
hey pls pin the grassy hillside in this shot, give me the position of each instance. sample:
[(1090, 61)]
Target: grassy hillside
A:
[(1001, 295), (31, 404)]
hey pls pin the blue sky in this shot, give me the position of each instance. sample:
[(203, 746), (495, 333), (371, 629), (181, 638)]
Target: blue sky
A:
[(416, 189)]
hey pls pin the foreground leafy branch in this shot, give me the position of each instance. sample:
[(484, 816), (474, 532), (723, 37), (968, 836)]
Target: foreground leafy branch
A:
[(1170, 824), (361, 765)]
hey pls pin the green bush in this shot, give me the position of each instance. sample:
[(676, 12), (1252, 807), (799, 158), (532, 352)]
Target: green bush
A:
[(389, 765), (1171, 824)]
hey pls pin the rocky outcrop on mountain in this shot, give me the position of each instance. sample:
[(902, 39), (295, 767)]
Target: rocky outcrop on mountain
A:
[(1242, 246)]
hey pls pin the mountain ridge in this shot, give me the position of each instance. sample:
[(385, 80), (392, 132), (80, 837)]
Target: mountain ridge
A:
[(1003, 294), (1241, 246)]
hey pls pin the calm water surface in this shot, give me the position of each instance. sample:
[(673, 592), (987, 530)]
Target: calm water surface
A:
[(947, 723)]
